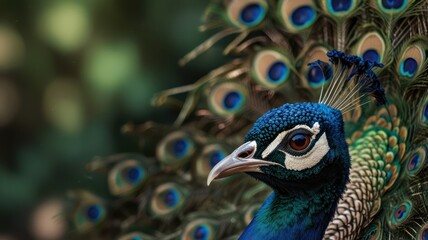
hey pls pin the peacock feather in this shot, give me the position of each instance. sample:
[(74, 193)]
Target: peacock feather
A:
[(324, 107)]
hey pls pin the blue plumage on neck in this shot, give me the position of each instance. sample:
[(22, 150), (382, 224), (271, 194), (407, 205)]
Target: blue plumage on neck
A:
[(296, 217)]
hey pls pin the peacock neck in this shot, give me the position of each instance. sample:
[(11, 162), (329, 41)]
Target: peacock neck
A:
[(301, 216)]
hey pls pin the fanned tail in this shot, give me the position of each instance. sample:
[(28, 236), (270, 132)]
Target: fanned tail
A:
[(277, 44)]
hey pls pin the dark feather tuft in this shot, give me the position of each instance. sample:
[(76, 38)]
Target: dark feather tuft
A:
[(360, 71)]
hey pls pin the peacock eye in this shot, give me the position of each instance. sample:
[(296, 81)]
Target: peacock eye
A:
[(392, 7), (252, 14), (247, 13), (228, 98), (299, 141), (372, 47), (200, 232), (200, 229), (168, 199), (87, 216), (94, 212), (127, 177), (296, 16), (400, 213), (302, 146), (175, 149), (88, 210), (271, 68), (409, 65)]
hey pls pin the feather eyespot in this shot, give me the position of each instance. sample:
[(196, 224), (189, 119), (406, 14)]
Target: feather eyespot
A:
[(252, 14), (299, 142), (89, 216), (135, 174), (247, 13), (340, 7), (200, 229), (200, 232), (175, 149), (416, 161), (271, 68), (371, 55), (168, 199), (392, 6), (277, 72), (228, 98), (94, 213), (296, 16), (302, 15), (126, 177), (412, 60), (401, 213), (408, 67), (232, 100), (180, 147), (88, 212), (372, 47)]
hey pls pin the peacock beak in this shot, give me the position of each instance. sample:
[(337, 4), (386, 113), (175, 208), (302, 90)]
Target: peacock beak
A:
[(241, 160)]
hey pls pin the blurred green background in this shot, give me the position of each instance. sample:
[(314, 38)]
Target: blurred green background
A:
[(72, 72)]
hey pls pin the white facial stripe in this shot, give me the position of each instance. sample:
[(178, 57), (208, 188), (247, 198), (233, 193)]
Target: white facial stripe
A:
[(274, 144), (314, 130), (310, 159)]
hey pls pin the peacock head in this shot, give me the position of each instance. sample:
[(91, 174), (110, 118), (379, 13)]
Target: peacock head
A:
[(298, 146), (292, 148)]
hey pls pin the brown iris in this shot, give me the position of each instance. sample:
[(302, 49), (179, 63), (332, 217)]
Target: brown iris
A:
[(299, 142)]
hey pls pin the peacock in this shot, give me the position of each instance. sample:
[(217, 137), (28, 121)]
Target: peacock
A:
[(323, 105)]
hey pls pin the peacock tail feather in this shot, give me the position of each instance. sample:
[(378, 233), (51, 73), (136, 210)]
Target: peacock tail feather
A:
[(284, 53)]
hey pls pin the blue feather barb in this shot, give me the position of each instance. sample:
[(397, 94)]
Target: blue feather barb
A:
[(359, 70)]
